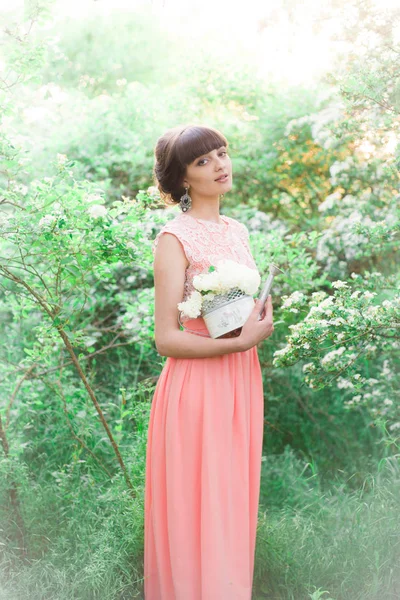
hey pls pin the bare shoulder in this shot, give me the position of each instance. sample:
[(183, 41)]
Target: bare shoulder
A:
[(169, 280), (169, 250)]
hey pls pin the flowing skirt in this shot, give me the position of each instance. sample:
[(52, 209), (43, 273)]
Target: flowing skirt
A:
[(203, 466)]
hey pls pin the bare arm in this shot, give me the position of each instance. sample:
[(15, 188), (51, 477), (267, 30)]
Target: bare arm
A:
[(170, 264)]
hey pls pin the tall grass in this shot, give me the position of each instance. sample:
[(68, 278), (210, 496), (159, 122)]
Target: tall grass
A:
[(337, 539), (85, 536)]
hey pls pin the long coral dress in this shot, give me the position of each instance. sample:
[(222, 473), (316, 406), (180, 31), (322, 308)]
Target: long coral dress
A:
[(204, 448)]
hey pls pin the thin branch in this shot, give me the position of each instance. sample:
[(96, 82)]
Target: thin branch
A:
[(58, 384), (15, 392)]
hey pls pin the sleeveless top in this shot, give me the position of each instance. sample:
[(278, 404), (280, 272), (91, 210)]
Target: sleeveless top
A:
[(205, 243)]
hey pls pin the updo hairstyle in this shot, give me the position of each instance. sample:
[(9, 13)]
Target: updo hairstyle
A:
[(175, 150)]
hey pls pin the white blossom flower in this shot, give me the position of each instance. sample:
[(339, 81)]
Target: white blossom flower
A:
[(339, 284), (312, 310), (368, 294), (47, 220), (386, 370), (355, 294), (227, 275), (57, 207), (329, 201), (282, 351), (339, 166), (192, 306), (371, 347), (323, 323), (344, 383), (4, 222), (18, 188), (327, 302), (61, 159), (338, 321), (394, 426), (207, 281), (294, 297), (153, 190), (97, 210), (296, 326), (330, 356), (318, 296), (131, 245)]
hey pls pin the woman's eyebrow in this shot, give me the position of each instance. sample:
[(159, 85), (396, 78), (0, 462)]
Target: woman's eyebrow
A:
[(201, 155)]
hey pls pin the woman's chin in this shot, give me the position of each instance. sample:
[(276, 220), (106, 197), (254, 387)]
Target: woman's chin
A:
[(225, 187)]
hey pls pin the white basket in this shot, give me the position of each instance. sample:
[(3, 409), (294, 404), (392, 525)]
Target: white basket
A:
[(226, 312)]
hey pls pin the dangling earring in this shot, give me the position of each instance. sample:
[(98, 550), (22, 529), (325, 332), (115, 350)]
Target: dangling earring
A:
[(185, 201)]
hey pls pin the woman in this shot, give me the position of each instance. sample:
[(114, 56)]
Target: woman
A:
[(205, 432)]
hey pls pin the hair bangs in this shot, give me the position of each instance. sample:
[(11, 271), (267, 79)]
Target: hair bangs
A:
[(196, 141)]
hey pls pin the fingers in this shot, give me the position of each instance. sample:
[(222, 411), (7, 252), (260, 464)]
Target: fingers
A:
[(266, 313)]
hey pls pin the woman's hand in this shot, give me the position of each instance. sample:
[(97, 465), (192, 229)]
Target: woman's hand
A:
[(255, 331)]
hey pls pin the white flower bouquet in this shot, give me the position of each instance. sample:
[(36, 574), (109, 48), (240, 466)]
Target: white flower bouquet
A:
[(222, 296)]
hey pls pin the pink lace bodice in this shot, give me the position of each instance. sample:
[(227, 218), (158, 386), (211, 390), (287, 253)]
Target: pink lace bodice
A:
[(205, 242)]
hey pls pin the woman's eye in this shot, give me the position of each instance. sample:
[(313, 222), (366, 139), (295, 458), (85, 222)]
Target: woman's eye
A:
[(200, 161)]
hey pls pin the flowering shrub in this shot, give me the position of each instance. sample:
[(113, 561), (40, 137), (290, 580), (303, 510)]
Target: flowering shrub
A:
[(81, 243), (338, 331)]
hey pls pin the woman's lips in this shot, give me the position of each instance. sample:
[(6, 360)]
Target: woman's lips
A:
[(222, 179)]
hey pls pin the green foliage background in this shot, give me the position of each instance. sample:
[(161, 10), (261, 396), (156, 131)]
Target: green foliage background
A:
[(317, 185)]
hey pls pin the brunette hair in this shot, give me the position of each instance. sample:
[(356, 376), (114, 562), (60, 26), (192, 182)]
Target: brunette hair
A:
[(176, 149)]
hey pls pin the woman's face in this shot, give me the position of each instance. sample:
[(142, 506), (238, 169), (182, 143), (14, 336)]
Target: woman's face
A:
[(202, 174)]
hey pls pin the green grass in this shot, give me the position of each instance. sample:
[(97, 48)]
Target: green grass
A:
[(337, 540), (85, 538)]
